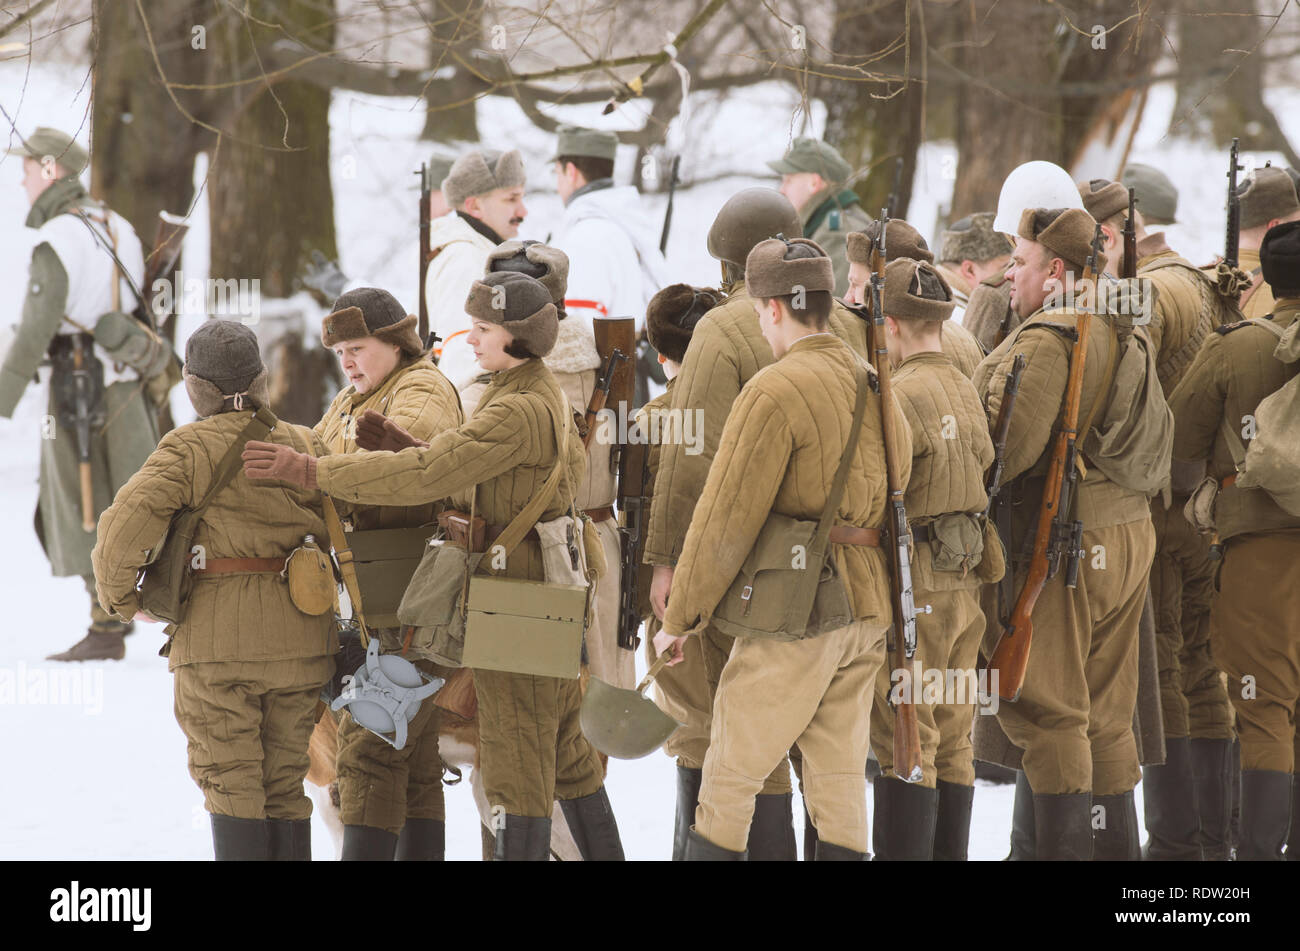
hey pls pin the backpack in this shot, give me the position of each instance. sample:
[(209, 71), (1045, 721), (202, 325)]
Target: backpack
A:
[(1272, 461)]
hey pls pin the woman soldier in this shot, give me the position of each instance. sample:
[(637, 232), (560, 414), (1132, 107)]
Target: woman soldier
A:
[(531, 745), (249, 664), (390, 800)]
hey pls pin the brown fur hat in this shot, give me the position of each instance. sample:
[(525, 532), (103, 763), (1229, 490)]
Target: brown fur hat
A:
[(672, 314), (775, 268), (1068, 236), (521, 304), (908, 298), (1103, 198), (901, 241), (371, 312)]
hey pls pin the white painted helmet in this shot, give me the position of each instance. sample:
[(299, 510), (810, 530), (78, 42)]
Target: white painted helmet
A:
[(1034, 185)]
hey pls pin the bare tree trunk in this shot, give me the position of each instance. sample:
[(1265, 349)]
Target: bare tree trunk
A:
[(142, 160), (456, 31), (1220, 84), (868, 125), (271, 199)]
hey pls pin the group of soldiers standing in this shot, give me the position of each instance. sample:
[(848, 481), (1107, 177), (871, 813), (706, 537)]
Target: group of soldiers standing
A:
[(782, 365)]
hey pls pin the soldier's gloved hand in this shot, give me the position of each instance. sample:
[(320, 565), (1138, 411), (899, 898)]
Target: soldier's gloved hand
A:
[(266, 460), (325, 276), (375, 431)]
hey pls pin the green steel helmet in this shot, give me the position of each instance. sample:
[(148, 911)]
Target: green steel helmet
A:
[(621, 723), (748, 217), (385, 694)]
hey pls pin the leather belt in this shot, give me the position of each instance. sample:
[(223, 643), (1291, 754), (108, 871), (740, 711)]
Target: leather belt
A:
[(492, 532), (1230, 480), (852, 535), (222, 566), (602, 514)]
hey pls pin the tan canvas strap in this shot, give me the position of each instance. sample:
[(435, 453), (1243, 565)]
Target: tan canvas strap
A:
[(259, 427), (347, 565), (1237, 448), (520, 525), (808, 593)]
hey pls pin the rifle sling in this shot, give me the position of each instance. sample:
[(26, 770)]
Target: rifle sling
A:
[(808, 594)]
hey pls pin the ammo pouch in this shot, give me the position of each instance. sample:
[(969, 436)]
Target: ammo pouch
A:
[(385, 559), (165, 581), (960, 550), (787, 588), (129, 341), (311, 578)]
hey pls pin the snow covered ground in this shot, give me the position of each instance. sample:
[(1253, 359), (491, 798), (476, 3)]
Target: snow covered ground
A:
[(94, 760)]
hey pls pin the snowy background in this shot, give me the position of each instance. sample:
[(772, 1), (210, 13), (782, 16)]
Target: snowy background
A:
[(94, 760)]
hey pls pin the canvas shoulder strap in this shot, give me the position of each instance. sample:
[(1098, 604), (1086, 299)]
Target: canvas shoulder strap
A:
[(846, 460), (259, 427), (519, 525), (1237, 448), (808, 593)]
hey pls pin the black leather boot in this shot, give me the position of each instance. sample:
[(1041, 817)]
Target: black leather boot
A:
[(591, 821), (771, 834), (290, 839), (524, 839), (1063, 827), (700, 849), (1211, 770), (827, 852), (1169, 806), (1022, 822), (952, 824), (904, 820), (240, 840), (422, 840), (1265, 815), (1116, 839), (688, 797), (368, 844)]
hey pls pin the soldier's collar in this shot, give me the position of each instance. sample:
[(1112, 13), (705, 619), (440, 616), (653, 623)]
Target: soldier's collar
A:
[(599, 184), (56, 199)]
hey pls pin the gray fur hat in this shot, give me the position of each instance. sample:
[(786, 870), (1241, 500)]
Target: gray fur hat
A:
[(521, 304), (223, 369), (479, 172)]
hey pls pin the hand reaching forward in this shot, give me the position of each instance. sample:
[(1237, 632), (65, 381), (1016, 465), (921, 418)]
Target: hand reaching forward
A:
[(375, 431), (267, 460)]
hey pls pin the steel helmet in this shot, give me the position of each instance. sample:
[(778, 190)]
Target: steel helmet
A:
[(1034, 185), (623, 723), (385, 694), (748, 217)]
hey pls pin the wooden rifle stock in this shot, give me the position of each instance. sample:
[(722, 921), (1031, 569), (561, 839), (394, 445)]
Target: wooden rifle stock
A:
[(907, 728), (1010, 655)]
